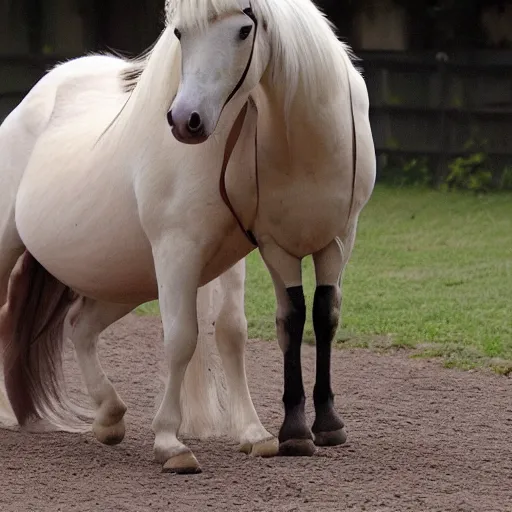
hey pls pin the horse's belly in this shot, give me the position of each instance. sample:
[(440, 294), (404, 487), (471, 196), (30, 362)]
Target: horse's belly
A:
[(103, 258), (87, 233)]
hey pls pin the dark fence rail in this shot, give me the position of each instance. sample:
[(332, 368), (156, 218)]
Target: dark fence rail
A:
[(422, 104), (441, 107)]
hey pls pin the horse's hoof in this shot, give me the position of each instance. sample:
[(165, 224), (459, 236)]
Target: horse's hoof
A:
[(183, 464), (265, 448), (297, 448), (109, 435), (334, 438)]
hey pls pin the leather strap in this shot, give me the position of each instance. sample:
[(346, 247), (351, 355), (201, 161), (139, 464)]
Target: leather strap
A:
[(236, 130), (248, 12), (233, 137), (354, 148)]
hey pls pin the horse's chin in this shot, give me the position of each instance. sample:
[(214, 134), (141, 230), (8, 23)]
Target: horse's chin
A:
[(187, 138)]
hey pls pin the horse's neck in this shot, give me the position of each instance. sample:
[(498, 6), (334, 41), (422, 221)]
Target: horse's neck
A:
[(155, 89), (313, 131)]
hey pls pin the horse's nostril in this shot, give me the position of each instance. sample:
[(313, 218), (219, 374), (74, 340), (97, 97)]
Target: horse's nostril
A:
[(195, 123), (170, 119)]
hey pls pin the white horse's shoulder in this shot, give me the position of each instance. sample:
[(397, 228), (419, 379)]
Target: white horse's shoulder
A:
[(91, 73), (36, 109), (88, 91)]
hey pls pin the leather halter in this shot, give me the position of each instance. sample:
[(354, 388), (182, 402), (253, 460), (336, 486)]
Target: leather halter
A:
[(248, 12), (234, 135), (236, 130)]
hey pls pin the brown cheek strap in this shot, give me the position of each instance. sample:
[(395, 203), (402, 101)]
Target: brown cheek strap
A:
[(233, 137)]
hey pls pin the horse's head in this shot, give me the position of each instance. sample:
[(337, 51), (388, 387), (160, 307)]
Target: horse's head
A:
[(221, 60)]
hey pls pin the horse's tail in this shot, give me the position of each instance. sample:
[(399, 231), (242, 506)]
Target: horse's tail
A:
[(7, 417), (204, 396), (32, 339)]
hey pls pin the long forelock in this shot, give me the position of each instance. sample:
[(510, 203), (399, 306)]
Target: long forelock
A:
[(197, 13), (300, 35), (189, 14)]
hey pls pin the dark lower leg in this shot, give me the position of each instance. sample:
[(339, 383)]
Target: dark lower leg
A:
[(326, 308), (291, 328)]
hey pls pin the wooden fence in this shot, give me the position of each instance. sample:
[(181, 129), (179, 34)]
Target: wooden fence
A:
[(437, 106), (17, 75), (441, 106)]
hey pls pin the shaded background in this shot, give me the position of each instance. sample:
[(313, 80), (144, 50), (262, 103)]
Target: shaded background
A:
[(439, 73)]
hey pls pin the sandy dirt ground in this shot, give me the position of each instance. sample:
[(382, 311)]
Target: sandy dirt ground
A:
[(421, 438)]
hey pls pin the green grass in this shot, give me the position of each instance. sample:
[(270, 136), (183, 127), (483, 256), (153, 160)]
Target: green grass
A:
[(430, 271)]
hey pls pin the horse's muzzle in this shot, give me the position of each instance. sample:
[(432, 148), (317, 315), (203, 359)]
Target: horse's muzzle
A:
[(191, 131)]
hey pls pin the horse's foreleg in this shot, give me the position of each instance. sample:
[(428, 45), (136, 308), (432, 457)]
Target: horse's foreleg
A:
[(178, 268), (295, 437), (87, 320), (231, 337), (329, 263)]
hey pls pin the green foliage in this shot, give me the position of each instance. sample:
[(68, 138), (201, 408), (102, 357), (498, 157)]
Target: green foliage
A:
[(505, 180), (402, 171), (469, 173)]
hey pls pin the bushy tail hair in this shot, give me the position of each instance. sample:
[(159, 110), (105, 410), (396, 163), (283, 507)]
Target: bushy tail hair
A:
[(204, 394), (32, 342)]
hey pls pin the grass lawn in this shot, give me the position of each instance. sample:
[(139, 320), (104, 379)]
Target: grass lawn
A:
[(430, 271)]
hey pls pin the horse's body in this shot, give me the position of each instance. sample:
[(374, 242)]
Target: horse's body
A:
[(92, 213), (89, 201), (102, 195), (71, 203)]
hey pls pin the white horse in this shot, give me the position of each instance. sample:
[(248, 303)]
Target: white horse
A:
[(102, 197)]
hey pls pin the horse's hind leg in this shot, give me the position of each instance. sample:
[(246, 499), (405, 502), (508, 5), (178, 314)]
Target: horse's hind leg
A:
[(8, 261), (16, 145), (231, 337), (328, 427), (11, 248), (87, 319)]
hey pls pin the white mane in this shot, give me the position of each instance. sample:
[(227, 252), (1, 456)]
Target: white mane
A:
[(308, 62), (305, 50)]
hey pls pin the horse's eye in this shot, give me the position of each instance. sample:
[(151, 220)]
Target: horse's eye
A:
[(245, 31), (177, 33)]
